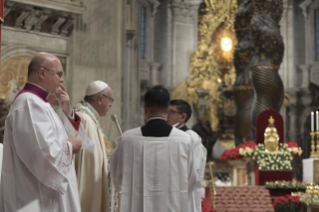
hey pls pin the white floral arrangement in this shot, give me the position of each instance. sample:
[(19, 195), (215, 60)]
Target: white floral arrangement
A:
[(279, 161), (246, 152), (296, 151)]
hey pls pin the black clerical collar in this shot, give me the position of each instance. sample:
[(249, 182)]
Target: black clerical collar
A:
[(156, 118), (184, 128)]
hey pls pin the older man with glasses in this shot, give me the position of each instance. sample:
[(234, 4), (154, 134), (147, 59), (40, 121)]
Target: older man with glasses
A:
[(39, 145), (96, 189)]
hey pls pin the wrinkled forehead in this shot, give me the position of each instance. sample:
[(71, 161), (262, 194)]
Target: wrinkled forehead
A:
[(109, 92)]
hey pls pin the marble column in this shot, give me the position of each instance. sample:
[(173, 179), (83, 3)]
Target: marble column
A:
[(293, 131), (287, 69), (127, 84), (309, 49), (184, 39)]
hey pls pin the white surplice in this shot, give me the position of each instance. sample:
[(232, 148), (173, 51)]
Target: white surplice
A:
[(37, 159), (200, 154), (153, 174)]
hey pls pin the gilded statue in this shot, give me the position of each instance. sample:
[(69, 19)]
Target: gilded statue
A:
[(271, 137)]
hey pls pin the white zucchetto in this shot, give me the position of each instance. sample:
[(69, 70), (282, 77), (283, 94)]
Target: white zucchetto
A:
[(95, 87)]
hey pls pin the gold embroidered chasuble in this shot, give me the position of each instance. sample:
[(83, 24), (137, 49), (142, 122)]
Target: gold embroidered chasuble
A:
[(97, 192)]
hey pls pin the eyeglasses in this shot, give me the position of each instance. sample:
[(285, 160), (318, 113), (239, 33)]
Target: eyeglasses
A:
[(110, 98), (60, 74), (171, 112)]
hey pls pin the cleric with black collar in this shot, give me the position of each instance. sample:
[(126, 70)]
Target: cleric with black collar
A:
[(153, 165), (179, 113)]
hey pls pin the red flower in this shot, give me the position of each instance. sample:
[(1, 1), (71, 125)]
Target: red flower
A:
[(207, 209), (223, 157), (234, 153), (250, 144), (292, 144), (280, 202)]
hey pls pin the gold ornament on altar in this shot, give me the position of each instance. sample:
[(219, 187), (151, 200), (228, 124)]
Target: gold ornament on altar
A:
[(271, 137), (212, 62)]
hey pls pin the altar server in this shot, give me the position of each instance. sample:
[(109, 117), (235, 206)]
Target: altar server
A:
[(152, 166), (38, 145), (97, 192), (179, 113)]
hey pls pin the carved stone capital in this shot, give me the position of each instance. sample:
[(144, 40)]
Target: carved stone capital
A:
[(304, 6), (184, 12), (155, 4)]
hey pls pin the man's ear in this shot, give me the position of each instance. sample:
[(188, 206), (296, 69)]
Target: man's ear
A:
[(169, 110), (41, 73), (184, 117), (145, 109), (99, 99)]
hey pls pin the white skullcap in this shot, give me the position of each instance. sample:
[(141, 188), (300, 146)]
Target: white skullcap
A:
[(95, 87)]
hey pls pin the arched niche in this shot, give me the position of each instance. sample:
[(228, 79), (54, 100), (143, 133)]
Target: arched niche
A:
[(14, 68)]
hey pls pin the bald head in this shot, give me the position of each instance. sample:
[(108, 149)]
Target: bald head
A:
[(46, 71), (40, 60)]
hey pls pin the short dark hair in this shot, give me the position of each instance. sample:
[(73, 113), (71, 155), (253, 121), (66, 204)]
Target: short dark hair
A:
[(182, 107), (157, 99), (35, 65)]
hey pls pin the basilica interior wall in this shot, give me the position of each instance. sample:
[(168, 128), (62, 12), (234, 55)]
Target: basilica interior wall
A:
[(96, 53)]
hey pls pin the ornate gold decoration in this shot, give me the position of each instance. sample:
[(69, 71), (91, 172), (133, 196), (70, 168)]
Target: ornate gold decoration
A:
[(315, 170), (14, 68), (207, 68), (258, 67), (313, 153), (225, 41), (271, 137), (227, 141), (243, 88)]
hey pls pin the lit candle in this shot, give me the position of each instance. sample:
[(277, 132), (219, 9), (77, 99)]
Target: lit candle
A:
[(317, 120), (312, 121)]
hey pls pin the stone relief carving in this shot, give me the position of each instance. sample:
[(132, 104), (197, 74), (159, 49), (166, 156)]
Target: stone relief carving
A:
[(304, 6), (184, 12), (31, 16)]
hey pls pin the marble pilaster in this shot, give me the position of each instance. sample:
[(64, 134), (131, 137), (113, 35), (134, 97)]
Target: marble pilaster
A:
[(184, 39)]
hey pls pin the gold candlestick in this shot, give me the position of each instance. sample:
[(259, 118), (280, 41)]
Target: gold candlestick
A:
[(313, 153), (214, 193)]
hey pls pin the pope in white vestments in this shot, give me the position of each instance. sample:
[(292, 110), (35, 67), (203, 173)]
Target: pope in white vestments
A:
[(97, 192), (153, 165), (37, 159), (179, 113)]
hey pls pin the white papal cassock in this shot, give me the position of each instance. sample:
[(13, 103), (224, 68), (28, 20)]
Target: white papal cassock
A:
[(200, 154), (37, 159), (153, 174)]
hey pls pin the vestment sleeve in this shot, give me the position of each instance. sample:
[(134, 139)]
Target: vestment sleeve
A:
[(76, 125), (192, 174), (36, 144), (197, 164), (117, 165)]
